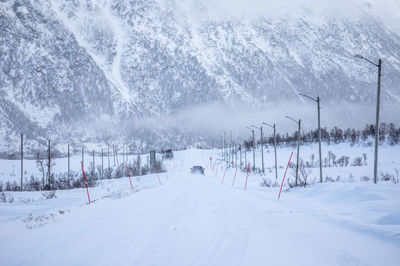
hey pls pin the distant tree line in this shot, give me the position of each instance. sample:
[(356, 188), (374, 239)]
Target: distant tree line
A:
[(388, 133)]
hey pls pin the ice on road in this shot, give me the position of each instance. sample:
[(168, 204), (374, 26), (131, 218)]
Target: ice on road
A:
[(196, 220)]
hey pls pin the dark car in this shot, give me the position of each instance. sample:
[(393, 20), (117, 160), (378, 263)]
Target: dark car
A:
[(197, 170)]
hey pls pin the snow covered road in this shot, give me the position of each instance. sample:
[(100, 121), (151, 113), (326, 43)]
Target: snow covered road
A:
[(195, 220)]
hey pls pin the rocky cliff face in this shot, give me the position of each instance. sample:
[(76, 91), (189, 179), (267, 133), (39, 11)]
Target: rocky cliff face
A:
[(68, 65)]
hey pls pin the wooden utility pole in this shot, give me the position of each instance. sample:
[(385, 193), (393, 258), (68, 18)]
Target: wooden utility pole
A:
[(114, 154), (236, 155), (94, 165), (317, 100), (276, 163), (245, 156), (319, 139), (240, 153), (298, 151), (22, 160), (254, 152), (102, 163), (49, 165), (83, 161), (68, 163), (298, 145), (378, 97)]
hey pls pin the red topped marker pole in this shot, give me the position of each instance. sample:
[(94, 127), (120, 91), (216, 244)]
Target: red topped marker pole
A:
[(284, 175), (129, 175), (84, 178)]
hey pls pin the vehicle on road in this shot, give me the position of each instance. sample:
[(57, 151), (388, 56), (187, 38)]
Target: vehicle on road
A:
[(197, 170)]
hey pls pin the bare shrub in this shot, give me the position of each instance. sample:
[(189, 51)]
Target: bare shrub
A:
[(343, 161), (365, 178), (386, 176), (358, 161), (34, 184), (49, 194), (6, 197), (303, 174), (266, 182), (329, 179)]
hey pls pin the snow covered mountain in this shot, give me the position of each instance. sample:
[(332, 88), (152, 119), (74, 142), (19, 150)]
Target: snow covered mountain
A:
[(68, 66)]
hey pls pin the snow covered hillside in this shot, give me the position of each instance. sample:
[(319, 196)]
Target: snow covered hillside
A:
[(79, 69), (186, 219)]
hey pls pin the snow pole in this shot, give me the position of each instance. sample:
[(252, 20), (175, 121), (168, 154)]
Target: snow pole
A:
[(216, 171), (159, 181), (84, 178), (247, 176), (284, 175), (234, 177), (224, 176), (128, 174)]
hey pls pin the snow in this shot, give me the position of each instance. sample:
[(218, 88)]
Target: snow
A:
[(197, 220)]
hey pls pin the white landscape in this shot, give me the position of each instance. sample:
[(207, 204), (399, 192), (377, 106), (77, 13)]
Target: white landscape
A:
[(200, 132), (192, 219)]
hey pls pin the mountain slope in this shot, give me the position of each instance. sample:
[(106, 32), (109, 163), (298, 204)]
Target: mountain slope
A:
[(68, 66)]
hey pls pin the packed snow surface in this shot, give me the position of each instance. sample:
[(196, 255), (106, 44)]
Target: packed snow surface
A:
[(190, 219)]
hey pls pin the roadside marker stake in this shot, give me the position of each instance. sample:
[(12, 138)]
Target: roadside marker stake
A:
[(159, 178), (84, 178), (216, 171), (284, 175), (247, 176), (224, 176), (234, 177), (128, 174)]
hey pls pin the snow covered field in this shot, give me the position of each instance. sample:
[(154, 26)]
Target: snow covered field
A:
[(197, 220)]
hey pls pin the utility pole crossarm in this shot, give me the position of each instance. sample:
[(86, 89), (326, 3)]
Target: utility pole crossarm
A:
[(294, 120), (309, 97), (366, 59), (268, 125)]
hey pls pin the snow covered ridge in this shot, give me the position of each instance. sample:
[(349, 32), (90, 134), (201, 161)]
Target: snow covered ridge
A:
[(327, 224), (70, 66)]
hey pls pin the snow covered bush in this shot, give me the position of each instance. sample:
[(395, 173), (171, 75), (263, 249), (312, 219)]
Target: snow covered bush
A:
[(6, 197), (34, 184), (49, 194), (364, 178), (386, 176), (358, 161), (266, 182)]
